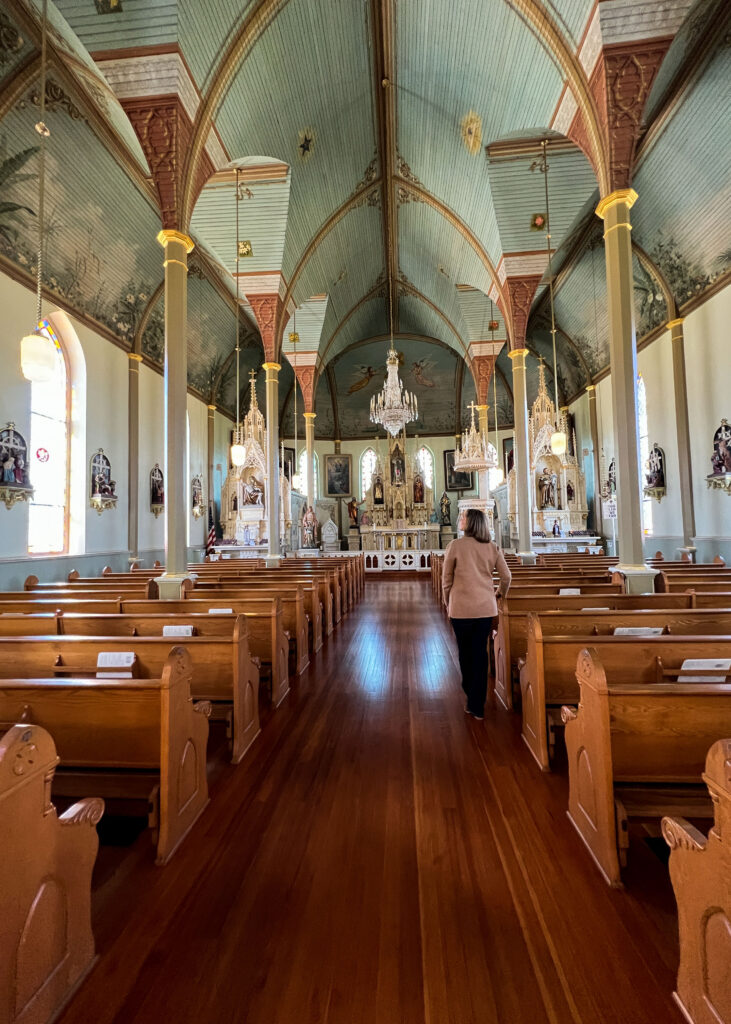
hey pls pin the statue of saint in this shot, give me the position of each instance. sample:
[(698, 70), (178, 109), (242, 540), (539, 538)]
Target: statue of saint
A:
[(309, 528), (418, 490), (352, 508), (556, 529), (445, 506), (253, 492), (378, 491), (547, 489)]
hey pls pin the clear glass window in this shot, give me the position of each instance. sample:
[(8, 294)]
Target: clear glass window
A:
[(367, 469), (644, 453), (426, 462), (303, 472)]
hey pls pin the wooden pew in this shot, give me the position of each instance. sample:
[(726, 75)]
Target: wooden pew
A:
[(700, 869), (319, 607), (45, 886), (132, 738), (510, 636), (548, 672), (637, 751), (223, 671), (142, 588)]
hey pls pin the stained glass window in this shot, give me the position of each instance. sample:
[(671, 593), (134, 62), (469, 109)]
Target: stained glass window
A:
[(48, 513), (303, 472), (426, 461)]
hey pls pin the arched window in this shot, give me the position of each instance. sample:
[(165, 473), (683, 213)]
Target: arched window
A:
[(495, 476), (367, 468), (302, 464), (49, 455), (425, 459), (644, 453)]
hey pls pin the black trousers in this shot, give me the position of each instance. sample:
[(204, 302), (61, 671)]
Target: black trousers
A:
[(472, 640)]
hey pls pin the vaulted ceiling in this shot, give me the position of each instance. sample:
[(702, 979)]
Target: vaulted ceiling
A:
[(387, 154)]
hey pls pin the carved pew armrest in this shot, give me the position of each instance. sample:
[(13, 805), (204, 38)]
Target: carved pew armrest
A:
[(680, 834), (88, 811), (568, 714), (255, 660), (203, 707), (521, 664)]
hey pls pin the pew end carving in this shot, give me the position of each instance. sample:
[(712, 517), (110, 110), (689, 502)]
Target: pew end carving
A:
[(45, 893), (700, 869)]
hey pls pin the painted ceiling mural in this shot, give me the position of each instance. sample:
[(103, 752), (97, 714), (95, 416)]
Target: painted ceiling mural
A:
[(417, 252)]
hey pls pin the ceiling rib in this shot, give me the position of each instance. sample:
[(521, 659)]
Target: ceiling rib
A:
[(385, 92)]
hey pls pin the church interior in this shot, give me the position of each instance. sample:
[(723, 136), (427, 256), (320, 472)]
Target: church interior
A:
[(289, 288)]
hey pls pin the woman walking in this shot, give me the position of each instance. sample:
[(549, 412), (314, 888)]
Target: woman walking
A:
[(469, 595)]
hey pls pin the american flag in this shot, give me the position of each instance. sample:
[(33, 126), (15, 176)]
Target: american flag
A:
[(211, 538)]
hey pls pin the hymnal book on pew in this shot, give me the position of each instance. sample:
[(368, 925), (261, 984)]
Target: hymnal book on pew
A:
[(714, 669), (119, 661), (639, 630), (220, 611), (569, 591), (177, 631)]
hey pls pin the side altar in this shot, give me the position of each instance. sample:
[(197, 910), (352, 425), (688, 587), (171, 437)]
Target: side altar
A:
[(399, 508), (558, 485), (245, 490)]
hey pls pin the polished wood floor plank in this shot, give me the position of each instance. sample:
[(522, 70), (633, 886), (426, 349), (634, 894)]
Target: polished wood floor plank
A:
[(380, 858)]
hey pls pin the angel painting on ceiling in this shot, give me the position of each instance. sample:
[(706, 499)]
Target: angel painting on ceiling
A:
[(420, 368), (365, 375)]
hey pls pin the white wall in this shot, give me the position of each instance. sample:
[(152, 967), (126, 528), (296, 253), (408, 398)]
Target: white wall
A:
[(709, 400)]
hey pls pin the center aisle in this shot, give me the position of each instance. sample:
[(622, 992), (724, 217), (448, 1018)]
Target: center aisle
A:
[(382, 859)]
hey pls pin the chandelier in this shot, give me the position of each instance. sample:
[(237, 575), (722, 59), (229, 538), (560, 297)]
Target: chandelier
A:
[(472, 452), (394, 407)]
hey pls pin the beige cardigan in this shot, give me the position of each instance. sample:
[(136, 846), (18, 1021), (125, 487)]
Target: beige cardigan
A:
[(467, 586)]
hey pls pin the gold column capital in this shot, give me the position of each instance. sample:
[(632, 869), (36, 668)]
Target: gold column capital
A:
[(516, 352), (168, 235), (309, 415), (591, 388), (272, 366), (677, 322), (482, 408), (135, 357), (212, 408), (622, 197)]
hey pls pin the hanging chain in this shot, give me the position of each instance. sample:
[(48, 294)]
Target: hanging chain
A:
[(238, 325), (550, 277), (43, 132), (494, 371)]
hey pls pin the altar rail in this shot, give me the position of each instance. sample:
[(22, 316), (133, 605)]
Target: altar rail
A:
[(393, 561)]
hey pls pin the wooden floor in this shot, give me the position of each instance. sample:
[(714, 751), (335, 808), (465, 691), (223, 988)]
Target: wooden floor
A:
[(381, 859)]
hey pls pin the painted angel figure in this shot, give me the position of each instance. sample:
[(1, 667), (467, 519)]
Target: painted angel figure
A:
[(419, 369), (366, 375)]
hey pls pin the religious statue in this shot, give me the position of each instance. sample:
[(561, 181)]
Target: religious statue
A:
[(547, 487), (569, 491), (397, 467), (352, 508), (9, 469), (445, 506), (556, 529), (309, 527), (378, 491), (253, 492), (418, 490)]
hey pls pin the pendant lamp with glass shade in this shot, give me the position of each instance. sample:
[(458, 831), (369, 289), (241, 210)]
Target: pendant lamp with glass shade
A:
[(558, 437), (293, 340), (37, 351), (238, 452)]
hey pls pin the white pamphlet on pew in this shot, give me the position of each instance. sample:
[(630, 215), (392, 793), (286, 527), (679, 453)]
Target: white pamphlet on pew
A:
[(638, 630), (714, 665), (602, 609), (569, 591), (117, 660), (177, 631), (220, 611)]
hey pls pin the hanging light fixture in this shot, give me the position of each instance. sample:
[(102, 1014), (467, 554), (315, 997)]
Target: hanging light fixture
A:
[(472, 452), (558, 437), (238, 451), (493, 324), (37, 351), (394, 406), (293, 340)]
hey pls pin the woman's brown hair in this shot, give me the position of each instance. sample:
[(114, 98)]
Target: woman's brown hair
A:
[(476, 526)]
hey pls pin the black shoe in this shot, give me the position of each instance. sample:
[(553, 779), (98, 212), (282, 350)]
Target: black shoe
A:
[(480, 718)]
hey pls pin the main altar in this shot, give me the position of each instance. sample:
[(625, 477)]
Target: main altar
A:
[(398, 514), (245, 490), (558, 485)]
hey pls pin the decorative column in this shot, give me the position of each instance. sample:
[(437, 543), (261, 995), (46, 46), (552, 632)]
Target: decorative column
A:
[(522, 459), (483, 482), (614, 210), (685, 469), (176, 246), (310, 456), (133, 456), (594, 427), (272, 497), (211, 459)]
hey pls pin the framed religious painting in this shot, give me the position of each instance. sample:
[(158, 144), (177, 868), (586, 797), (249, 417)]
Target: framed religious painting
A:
[(508, 454), (455, 479), (157, 491), (338, 476), (288, 465)]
